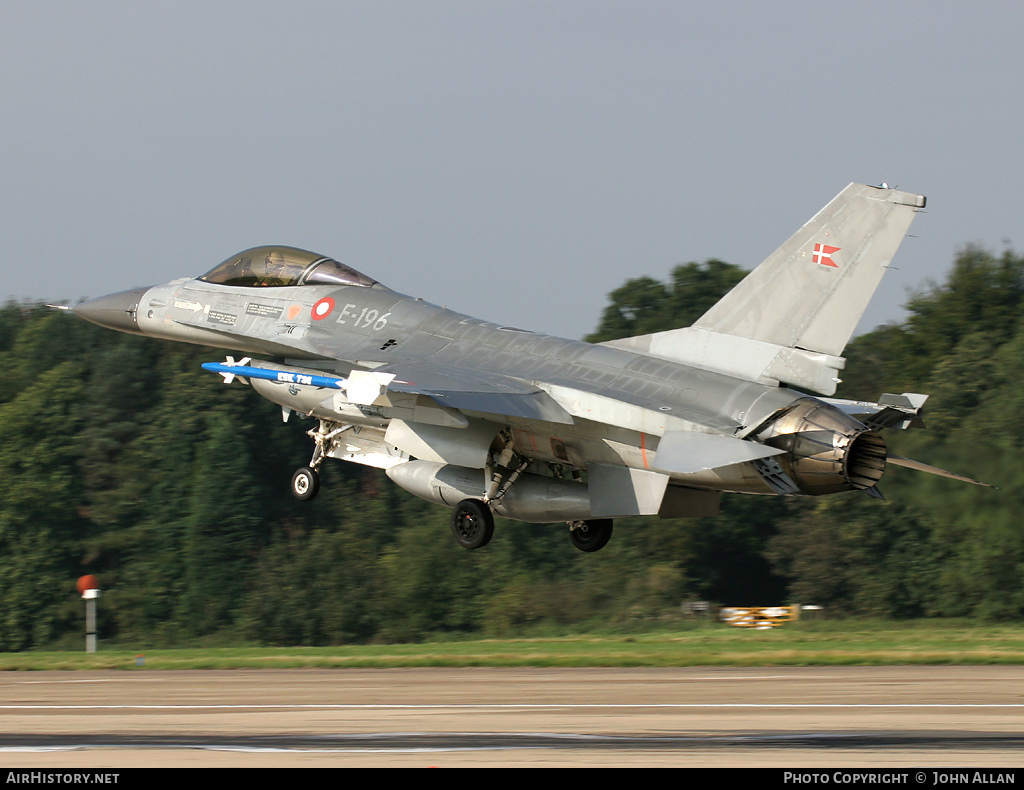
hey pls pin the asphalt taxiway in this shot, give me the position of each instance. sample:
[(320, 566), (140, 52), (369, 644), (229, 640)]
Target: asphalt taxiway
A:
[(726, 717)]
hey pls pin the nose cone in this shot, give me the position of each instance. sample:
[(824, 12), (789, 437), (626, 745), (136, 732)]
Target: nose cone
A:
[(114, 311)]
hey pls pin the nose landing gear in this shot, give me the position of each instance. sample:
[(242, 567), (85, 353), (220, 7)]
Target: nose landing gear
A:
[(306, 480), (305, 483)]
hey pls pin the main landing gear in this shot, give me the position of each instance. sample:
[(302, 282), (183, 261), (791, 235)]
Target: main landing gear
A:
[(473, 528), (590, 535), (472, 523), (472, 519)]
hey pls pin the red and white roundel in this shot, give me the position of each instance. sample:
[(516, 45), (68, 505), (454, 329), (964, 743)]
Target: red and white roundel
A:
[(322, 309)]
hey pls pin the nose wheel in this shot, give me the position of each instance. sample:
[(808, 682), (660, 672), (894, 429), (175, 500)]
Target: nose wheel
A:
[(306, 480), (305, 483)]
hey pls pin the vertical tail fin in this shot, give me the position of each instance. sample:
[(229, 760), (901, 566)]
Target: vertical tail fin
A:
[(790, 319), (811, 292)]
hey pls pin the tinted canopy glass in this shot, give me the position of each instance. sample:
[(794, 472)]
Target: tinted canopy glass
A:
[(284, 266)]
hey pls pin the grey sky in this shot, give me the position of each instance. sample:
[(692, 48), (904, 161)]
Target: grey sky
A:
[(513, 160)]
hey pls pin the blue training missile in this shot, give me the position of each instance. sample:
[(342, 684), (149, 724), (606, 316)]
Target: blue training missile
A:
[(286, 376)]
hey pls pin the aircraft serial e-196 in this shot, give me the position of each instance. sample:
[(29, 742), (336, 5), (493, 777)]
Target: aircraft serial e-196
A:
[(490, 419)]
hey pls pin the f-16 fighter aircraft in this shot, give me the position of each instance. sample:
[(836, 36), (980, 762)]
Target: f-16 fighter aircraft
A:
[(491, 419)]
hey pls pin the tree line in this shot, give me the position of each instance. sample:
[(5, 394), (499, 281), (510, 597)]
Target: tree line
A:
[(120, 457)]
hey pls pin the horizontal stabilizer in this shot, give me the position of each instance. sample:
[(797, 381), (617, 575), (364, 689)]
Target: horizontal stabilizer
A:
[(684, 452), (891, 411), (933, 470)]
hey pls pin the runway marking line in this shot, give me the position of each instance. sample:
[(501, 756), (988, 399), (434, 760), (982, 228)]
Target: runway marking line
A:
[(482, 706)]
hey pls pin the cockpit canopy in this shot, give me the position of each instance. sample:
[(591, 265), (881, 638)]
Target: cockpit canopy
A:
[(283, 266)]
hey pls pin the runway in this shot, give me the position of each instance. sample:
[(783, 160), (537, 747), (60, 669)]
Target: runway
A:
[(857, 717)]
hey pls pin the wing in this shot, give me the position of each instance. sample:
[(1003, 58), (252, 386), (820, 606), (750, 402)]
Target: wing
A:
[(470, 390)]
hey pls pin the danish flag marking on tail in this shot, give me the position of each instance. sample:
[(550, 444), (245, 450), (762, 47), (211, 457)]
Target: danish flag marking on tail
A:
[(823, 255)]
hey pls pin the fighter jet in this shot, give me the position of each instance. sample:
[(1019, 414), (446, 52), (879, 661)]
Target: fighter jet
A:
[(490, 419)]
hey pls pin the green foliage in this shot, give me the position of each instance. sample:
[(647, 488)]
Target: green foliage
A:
[(729, 564), (644, 305), (857, 556), (39, 521), (962, 343), (982, 297), (120, 457)]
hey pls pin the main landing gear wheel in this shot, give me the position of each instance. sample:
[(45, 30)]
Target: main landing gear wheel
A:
[(591, 535), (472, 524), (305, 483)]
